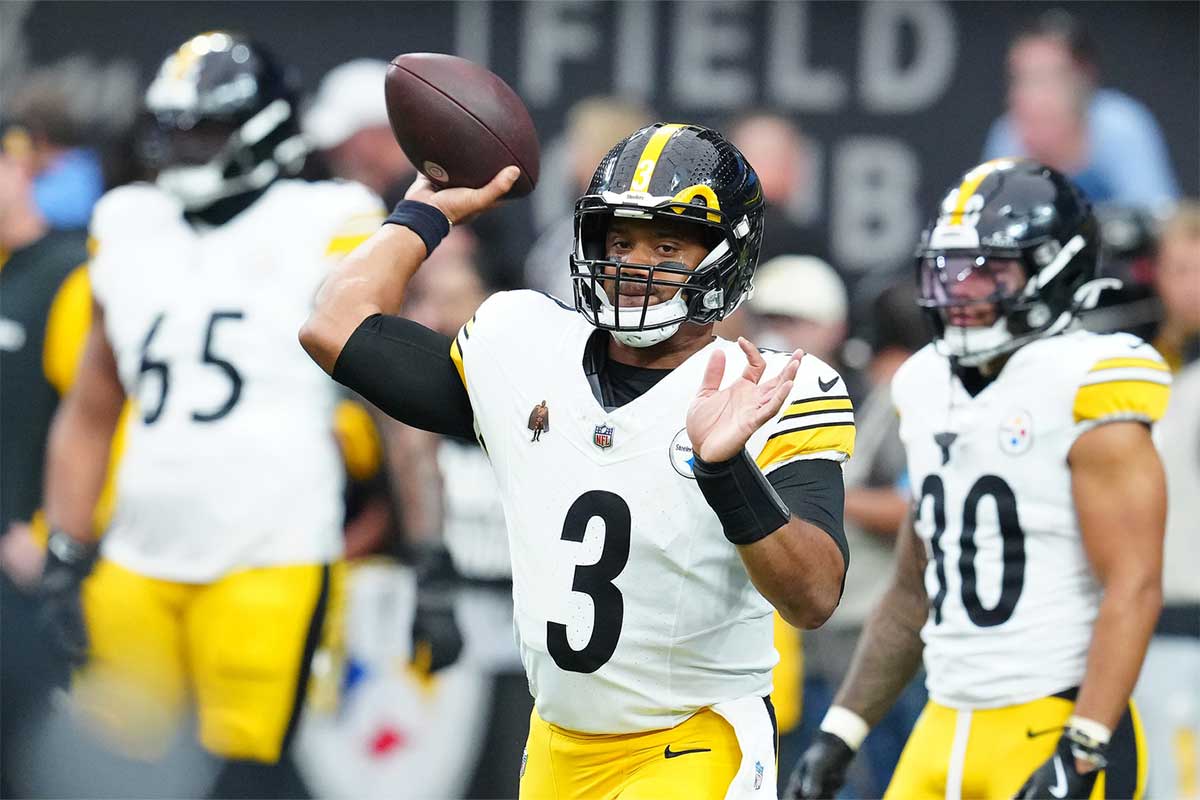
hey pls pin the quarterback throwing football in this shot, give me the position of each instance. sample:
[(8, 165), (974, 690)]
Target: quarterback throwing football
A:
[(675, 486), (1030, 577)]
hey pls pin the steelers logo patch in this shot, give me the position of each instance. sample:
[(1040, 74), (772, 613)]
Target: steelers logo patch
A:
[(435, 171), (1016, 432), (681, 455)]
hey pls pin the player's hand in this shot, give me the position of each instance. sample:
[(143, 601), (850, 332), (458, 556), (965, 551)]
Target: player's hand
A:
[(68, 562), (821, 770), (1062, 776), (721, 421), (21, 557), (460, 204), (436, 639)]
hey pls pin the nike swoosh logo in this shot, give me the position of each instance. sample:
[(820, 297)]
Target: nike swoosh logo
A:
[(1032, 734), (826, 386), (669, 753), (1059, 789)]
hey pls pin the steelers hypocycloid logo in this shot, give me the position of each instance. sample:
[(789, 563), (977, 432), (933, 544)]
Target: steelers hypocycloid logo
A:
[(682, 458), (1016, 432)]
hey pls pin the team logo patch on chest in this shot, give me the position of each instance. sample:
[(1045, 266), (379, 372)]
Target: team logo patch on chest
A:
[(682, 457), (1016, 432), (602, 436)]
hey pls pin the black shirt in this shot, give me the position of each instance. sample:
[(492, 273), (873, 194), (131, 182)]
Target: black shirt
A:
[(30, 281)]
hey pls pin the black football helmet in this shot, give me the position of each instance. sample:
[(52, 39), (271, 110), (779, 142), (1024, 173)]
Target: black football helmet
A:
[(220, 121), (675, 172), (1007, 210)]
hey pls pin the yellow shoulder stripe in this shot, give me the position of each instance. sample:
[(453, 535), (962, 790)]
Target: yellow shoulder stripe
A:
[(1133, 398), (649, 158), (811, 405), (837, 436), (67, 326), (358, 439), (1117, 363), (456, 357)]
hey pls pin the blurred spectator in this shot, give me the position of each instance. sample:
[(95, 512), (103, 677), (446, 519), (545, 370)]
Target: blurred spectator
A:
[(1105, 140), (69, 124), (784, 160), (45, 309), (594, 125), (876, 504), (799, 301), (1177, 279), (347, 123), (1168, 692)]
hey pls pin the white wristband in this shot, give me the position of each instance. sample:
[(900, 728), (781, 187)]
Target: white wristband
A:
[(846, 725), (1090, 728)]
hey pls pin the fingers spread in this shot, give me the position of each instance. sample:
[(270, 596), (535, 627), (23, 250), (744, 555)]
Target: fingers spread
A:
[(713, 373), (755, 363), (774, 403)]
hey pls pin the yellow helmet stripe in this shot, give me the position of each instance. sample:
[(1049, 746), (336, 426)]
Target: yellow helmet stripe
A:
[(649, 157), (970, 183)]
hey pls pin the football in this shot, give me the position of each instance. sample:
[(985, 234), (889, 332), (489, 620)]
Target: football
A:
[(458, 123)]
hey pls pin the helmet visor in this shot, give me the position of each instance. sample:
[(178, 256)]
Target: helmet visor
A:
[(970, 290)]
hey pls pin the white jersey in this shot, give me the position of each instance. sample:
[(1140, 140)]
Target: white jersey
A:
[(230, 460), (632, 609), (1012, 596)]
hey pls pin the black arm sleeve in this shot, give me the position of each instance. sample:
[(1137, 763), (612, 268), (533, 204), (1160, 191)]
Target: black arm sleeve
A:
[(813, 490), (405, 369)]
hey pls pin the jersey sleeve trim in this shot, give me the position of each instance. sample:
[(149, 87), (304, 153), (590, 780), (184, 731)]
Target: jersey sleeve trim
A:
[(354, 232), (67, 326), (1123, 388), (826, 439), (457, 348)]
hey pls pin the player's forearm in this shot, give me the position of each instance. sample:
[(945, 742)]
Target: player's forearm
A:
[(76, 466), (1121, 634), (371, 280), (887, 657), (799, 570)]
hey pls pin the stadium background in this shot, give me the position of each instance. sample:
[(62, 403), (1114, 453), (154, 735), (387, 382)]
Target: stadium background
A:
[(895, 97)]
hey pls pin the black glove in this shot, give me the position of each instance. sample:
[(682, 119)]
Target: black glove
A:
[(1057, 778), (822, 768), (68, 562), (436, 640)]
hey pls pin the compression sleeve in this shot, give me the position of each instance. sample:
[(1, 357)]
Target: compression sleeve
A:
[(813, 490), (405, 369)]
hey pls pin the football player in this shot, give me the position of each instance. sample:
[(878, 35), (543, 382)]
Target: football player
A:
[(682, 486), (215, 573), (1030, 574)]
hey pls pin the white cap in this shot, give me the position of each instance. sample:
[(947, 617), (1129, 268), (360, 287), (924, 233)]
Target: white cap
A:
[(349, 99), (799, 286)]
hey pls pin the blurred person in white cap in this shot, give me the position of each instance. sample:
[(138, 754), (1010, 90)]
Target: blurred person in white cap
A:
[(347, 123), (800, 301)]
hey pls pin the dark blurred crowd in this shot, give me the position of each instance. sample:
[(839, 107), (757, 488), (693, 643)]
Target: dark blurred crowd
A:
[(66, 140)]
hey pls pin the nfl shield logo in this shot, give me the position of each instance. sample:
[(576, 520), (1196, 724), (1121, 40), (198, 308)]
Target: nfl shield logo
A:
[(758, 775), (602, 436)]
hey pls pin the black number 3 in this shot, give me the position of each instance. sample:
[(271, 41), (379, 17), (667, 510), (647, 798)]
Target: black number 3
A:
[(596, 581), (149, 364), (1012, 576)]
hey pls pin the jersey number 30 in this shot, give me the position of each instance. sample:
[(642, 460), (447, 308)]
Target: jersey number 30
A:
[(1012, 575), (596, 581)]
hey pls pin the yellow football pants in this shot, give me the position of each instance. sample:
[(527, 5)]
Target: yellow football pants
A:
[(990, 753), (238, 650), (564, 765)]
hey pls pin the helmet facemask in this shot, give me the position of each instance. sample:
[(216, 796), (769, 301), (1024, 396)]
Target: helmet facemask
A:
[(710, 292), (1021, 295)]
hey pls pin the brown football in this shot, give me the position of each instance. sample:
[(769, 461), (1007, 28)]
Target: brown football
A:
[(458, 123)]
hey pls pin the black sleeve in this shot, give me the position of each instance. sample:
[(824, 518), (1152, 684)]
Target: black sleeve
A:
[(405, 369), (813, 490)]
